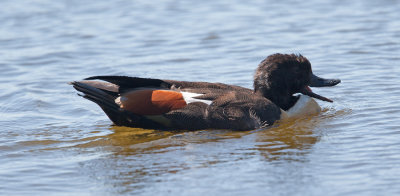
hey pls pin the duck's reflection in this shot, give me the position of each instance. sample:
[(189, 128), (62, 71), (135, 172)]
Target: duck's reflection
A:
[(289, 140), (135, 140)]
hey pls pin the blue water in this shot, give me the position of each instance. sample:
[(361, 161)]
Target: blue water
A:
[(53, 142)]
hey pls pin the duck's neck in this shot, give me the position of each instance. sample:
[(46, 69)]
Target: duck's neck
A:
[(282, 99)]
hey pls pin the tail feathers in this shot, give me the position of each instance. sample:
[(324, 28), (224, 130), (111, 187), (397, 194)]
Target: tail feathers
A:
[(107, 103), (126, 82), (104, 100), (96, 95)]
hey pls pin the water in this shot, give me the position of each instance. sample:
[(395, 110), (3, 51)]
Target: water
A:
[(53, 142)]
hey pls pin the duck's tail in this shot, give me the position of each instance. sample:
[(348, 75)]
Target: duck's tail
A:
[(105, 100), (104, 94)]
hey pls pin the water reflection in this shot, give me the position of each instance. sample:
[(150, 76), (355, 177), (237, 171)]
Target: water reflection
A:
[(135, 140), (290, 140), (295, 138), (136, 158)]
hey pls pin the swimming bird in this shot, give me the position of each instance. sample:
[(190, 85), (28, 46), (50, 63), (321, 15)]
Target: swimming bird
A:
[(281, 90)]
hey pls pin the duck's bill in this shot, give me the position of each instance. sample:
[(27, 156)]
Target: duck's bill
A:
[(307, 91), (321, 82)]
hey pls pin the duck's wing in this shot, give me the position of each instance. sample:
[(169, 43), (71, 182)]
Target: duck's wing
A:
[(228, 110)]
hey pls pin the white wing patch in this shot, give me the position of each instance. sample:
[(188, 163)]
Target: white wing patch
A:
[(189, 98)]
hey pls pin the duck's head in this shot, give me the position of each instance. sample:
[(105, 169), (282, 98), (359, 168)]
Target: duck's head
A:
[(280, 76)]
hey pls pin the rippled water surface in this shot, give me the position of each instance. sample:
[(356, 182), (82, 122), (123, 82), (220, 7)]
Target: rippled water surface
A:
[(53, 142)]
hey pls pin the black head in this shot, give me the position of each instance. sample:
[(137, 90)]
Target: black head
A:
[(279, 76)]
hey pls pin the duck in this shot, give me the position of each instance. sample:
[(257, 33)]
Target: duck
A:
[(281, 90)]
